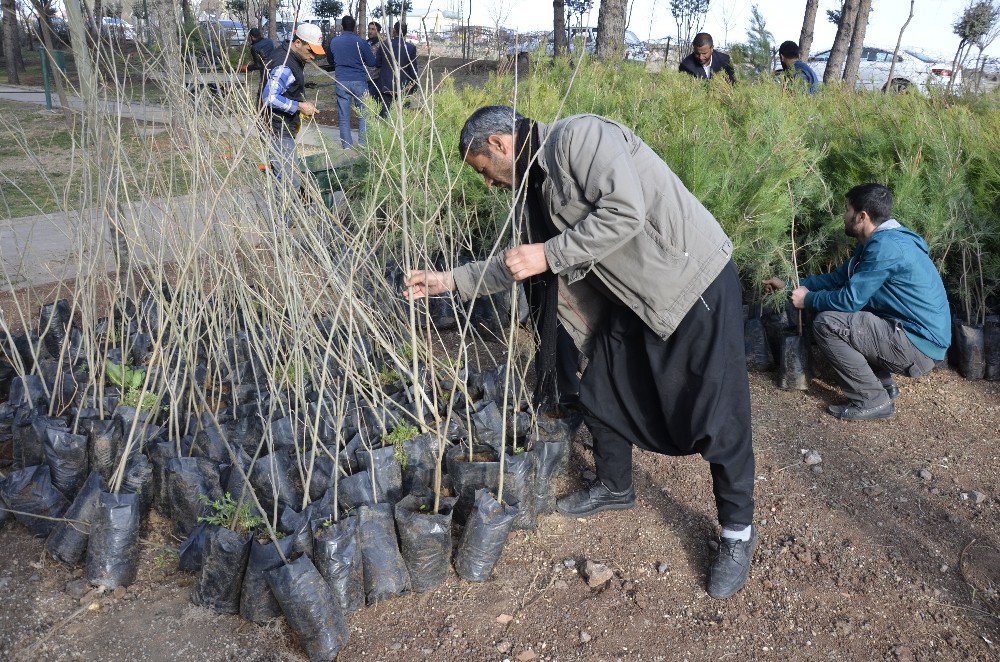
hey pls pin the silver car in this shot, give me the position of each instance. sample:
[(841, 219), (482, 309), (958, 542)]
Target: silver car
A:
[(914, 68)]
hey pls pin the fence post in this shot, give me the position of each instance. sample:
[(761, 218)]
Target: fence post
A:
[(45, 77)]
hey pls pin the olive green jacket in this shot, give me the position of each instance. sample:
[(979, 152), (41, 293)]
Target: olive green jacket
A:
[(623, 215)]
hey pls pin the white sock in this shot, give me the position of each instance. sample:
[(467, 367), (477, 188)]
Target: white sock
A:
[(734, 533)]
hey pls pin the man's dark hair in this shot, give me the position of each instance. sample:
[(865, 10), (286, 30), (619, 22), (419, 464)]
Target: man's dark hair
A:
[(255, 34), (485, 122), (702, 39), (348, 23), (399, 29), (378, 26), (790, 50), (872, 198)]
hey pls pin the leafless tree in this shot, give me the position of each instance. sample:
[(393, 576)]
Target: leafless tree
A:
[(895, 52), (11, 45), (558, 27)]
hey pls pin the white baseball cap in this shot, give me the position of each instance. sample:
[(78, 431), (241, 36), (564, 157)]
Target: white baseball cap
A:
[(312, 35)]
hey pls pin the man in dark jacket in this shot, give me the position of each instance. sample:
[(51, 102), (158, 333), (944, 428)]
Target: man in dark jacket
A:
[(704, 61), (883, 311), (397, 65), (284, 98), (260, 54), (640, 274), (350, 55)]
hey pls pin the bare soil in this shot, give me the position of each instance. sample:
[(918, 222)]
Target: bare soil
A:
[(864, 561)]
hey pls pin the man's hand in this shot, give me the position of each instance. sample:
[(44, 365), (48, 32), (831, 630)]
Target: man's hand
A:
[(799, 297), (773, 285), (428, 283), (526, 261), (307, 108)]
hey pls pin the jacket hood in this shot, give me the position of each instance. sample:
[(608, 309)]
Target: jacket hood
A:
[(901, 231)]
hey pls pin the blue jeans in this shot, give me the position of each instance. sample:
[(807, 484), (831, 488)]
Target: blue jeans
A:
[(351, 92)]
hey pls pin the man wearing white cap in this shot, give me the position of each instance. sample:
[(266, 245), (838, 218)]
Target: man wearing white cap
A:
[(284, 97)]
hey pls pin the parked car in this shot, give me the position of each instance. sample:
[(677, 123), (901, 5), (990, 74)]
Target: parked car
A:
[(914, 68), (116, 28)]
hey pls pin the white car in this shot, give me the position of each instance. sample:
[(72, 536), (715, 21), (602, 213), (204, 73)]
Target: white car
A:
[(914, 68), (117, 28)]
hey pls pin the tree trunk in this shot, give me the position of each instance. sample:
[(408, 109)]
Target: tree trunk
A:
[(363, 20), (808, 26), (956, 64), (899, 40), (10, 45), (19, 54), (857, 42), (835, 65), (45, 25), (558, 27), (611, 30), (272, 12)]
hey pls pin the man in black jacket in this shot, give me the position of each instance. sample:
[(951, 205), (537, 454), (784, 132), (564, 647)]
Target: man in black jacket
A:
[(704, 61)]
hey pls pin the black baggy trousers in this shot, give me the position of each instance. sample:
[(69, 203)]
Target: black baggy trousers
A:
[(683, 395)]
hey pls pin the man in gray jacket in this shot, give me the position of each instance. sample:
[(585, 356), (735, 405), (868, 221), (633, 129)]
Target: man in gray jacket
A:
[(639, 274)]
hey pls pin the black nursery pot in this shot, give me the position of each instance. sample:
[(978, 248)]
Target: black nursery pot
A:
[(384, 570), (991, 349), (257, 603), (467, 477), (337, 556), (425, 539), (224, 562), (484, 537), (310, 608), (28, 492), (758, 350), (551, 458), (189, 478), (793, 364), (421, 461), (68, 541), (356, 490), (66, 455), (193, 549), (113, 548), (271, 478), (104, 442), (520, 470), (387, 471), (970, 349)]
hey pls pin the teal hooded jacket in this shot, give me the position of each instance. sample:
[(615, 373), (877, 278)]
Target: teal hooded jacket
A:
[(892, 276)]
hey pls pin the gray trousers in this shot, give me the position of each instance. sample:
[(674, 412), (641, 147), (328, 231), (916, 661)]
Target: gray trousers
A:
[(865, 350), (285, 162)]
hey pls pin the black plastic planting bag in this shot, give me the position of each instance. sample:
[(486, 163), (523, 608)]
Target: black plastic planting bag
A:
[(519, 486), (758, 350), (30, 432), (991, 346), (793, 363), (29, 492), (223, 563), (235, 485), (257, 603), (66, 455), (337, 556), (356, 490), (211, 442), (53, 323), (138, 479), (425, 539), (970, 348), (421, 461), (113, 548), (322, 474), (193, 549), (104, 441), (388, 473), (68, 541), (550, 459), (29, 390), (468, 477), (160, 455), (271, 479), (384, 570), (188, 479), (484, 537), (312, 612)]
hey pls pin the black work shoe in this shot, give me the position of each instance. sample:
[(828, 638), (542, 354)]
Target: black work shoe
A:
[(852, 412), (892, 390), (595, 499), (731, 565)]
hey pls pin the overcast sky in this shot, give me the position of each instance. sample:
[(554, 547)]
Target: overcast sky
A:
[(929, 30)]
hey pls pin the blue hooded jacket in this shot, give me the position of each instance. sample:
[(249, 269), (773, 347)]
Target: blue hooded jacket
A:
[(892, 276)]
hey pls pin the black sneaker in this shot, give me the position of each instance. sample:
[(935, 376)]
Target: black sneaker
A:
[(731, 566), (853, 412), (595, 499), (892, 390)]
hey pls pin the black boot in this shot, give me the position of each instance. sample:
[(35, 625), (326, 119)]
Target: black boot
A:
[(731, 566), (595, 499)]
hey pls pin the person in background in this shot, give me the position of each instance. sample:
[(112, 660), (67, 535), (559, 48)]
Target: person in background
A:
[(284, 98), (397, 66), (374, 34), (795, 68), (350, 56), (641, 275), (883, 311), (375, 41), (260, 54), (704, 61)]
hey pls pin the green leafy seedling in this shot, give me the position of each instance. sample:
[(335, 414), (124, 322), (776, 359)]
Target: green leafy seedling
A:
[(229, 514)]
